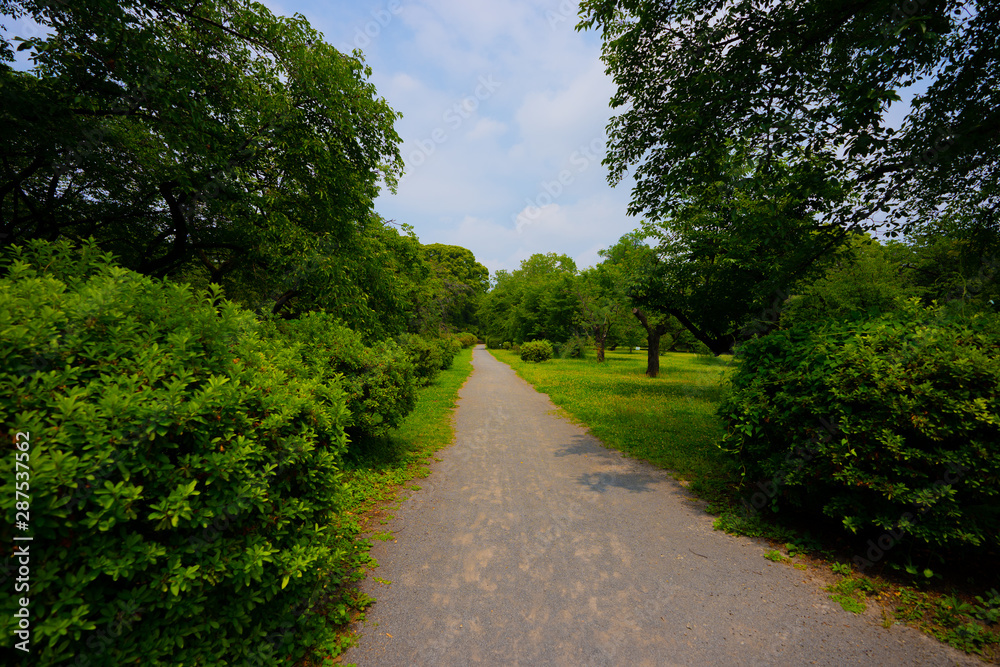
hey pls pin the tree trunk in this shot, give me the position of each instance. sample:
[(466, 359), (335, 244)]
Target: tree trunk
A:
[(653, 352), (653, 342), (599, 336)]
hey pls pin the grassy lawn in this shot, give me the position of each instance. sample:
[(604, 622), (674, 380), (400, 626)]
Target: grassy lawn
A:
[(669, 421), (376, 478)]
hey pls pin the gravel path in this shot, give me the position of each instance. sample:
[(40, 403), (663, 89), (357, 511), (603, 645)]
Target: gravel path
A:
[(532, 544)]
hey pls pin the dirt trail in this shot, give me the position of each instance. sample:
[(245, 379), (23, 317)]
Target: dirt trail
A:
[(532, 544)]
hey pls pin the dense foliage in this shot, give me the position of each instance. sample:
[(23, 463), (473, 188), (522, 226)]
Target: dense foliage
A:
[(211, 141), (887, 422), (802, 84), (760, 138), (535, 301), (536, 351), (429, 356), (184, 469), (379, 382)]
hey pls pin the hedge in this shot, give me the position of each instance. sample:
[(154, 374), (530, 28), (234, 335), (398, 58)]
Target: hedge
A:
[(429, 356), (886, 424), (184, 472), (379, 381)]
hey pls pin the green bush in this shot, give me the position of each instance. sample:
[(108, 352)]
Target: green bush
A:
[(536, 351), (507, 345), (379, 381), (449, 346), (429, 356), (467, 339), (494, 342), (184, 472), (424, 354), (888, 424)]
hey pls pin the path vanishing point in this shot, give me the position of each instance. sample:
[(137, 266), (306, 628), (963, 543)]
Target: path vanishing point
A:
[(532, 544)]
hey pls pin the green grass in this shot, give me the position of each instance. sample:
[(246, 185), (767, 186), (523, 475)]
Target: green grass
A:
[(376, 476), (669, 421)]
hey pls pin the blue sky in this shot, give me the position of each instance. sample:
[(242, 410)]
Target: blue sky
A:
[(504, 107)]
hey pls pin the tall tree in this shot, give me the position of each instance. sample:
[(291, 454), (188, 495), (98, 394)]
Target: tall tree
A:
[(805, 81), (536, 301), (634, 262), (186, 137), (741, 238), (463, 282), (599, 291)]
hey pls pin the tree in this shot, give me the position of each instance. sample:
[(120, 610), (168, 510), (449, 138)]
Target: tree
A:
[(806, 81), (536, 301), (211, 138), (633, 261), (741, 238), (598, 291), (463, 282), (871, 279)]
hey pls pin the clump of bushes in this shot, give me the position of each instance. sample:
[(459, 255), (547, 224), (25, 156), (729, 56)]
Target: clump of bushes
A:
[(429, 356), (467, 339), (574, 348), (379, 381), (185, 470), (536, 351), (887, 424), (450, 347)]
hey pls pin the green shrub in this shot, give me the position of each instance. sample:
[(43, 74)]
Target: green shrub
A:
[(184, 473), (429, 356), (467, 339), (424, 354), (494, 342), (536, 351), (507, 345), (888, 424), (379, 381), (448, 346)]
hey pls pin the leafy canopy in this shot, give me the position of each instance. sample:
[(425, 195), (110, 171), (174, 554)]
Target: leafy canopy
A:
[(806, 81), (209, 138)]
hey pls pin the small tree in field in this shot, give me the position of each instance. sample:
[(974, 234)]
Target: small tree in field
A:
[(598, 291)]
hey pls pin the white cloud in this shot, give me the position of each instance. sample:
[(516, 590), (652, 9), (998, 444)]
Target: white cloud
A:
[(486, 127), (551, 121)]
